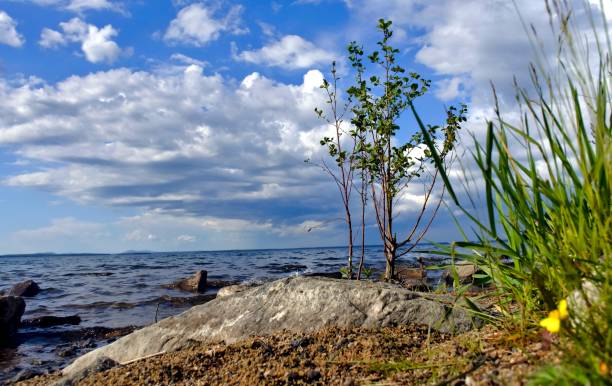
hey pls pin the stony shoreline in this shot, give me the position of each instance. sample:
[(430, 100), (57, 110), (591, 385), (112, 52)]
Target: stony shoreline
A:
[(71, 345)]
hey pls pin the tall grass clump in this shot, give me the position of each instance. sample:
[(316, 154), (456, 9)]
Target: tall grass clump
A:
[(546, 238)]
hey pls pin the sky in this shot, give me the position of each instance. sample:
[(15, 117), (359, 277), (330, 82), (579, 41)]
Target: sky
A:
[(173, 125)]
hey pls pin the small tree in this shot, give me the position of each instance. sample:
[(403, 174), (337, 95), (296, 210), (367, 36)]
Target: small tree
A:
[(378, 102), (342, 154)]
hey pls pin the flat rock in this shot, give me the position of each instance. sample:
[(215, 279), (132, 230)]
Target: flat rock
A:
[(26, 288), (11, 310), (297, 304)]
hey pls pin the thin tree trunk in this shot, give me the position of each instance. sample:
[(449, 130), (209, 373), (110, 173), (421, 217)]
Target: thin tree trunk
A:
[(390, 242), (390, 255), (350, 244), (363, 206)]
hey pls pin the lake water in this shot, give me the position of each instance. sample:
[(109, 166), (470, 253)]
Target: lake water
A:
[(128, 289)]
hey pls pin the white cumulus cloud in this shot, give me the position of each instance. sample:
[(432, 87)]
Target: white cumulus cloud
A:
[(8, 31), (290, 52), (197, 25), (188, 140), (50, 38), (80, 6), (449, 88), (96, 43)]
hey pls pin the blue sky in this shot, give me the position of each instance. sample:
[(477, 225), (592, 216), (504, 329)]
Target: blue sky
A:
[(183, 125)]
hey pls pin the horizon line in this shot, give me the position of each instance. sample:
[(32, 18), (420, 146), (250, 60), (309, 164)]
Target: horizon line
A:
[(147, 252)]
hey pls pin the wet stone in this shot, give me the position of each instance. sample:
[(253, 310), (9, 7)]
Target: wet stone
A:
[(11, 310), (28, 288)]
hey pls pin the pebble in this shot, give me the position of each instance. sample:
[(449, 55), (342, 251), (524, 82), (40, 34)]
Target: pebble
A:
[(292, 375), (313, 375)]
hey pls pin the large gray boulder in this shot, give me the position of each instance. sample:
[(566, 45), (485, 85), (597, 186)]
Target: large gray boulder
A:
[(11, 310), (299, 304)]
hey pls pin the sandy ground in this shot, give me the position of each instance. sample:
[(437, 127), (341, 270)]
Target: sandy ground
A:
[(407, 355)]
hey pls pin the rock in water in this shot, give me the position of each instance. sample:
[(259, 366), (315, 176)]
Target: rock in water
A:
[(11, 310), (196, 283), (50, 321), (465, 273), (297, 304), (26, 289)]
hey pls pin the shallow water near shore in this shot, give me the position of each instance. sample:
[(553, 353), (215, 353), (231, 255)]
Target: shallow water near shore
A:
[(115, 291)]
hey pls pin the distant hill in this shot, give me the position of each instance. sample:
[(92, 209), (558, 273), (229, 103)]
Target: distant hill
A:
[(43, 254)]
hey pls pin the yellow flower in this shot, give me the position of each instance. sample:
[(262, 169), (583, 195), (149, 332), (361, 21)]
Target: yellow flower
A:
[(563, 309), (603, 368), (552, 323)]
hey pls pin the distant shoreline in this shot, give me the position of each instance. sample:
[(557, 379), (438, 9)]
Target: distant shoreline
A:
[(357, 247)]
